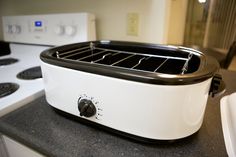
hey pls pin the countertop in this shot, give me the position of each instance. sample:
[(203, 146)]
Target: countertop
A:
[(38, 126)]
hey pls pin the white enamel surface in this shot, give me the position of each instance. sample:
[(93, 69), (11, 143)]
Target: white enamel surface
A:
[(59, 30), (78, 27), (146, 110), (29, 90), (228, 119)]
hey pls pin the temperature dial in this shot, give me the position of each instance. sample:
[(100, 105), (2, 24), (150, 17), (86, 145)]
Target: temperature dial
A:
[(86, 108)]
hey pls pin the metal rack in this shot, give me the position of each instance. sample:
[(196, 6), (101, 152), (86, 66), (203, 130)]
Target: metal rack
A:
[(128, 59)]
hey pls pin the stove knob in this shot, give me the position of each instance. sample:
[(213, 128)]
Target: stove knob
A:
[(9, 29), (59, 30), (86, 108), (16, 29), (70, 30)]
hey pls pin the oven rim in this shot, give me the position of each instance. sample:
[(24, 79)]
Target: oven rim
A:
[(208, 66)]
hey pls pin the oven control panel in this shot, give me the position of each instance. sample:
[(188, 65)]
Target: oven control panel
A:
[(52, 29)]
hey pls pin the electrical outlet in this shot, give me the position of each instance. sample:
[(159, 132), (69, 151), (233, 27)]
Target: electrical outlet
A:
[(132, 24)]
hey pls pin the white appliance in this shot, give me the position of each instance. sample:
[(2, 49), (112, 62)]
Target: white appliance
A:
[(143, 91), (228, 119), (28, 36), (53, 29)]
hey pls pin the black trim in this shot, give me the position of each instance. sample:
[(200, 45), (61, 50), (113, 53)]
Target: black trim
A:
[(207, 68), (121, 134)]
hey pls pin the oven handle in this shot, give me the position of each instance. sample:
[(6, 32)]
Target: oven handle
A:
[(218, 86)]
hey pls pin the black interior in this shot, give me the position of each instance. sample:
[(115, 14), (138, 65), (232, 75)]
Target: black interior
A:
[(151, 59)]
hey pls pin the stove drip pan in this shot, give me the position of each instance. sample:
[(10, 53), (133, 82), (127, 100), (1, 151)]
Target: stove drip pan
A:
[(30, 74), (7, 88), (8, 61)]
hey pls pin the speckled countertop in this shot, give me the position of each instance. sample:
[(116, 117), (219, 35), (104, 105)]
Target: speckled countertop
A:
[(37, 126)]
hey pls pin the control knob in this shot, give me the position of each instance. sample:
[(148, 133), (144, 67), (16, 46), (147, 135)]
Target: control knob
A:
[(70, 30), (9, 29), (16, 29), (59, 30), (86, 108)]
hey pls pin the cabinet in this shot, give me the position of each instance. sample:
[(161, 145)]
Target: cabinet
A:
[(15, 149)]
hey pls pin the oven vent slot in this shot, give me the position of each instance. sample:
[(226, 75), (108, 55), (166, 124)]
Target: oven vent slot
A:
[(133, 60)]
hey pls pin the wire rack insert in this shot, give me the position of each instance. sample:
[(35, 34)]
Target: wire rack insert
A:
[(149, 60)]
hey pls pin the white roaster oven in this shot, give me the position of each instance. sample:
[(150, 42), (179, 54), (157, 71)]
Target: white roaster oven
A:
[(143, 91), (28, 36)]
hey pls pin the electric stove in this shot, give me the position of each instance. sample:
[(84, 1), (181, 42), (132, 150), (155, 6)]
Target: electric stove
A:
[(27, 36)]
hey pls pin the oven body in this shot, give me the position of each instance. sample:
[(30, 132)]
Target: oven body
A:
[(148, 111)]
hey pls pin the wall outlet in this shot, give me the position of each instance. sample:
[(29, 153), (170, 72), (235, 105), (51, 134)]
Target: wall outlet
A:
[(132, 24)]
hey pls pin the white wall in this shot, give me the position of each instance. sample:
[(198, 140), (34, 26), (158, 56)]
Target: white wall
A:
[(111, 15), (177, 19)]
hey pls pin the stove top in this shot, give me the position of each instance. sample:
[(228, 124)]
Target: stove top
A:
[(30, 74), (7, 88), (21, 61), (23, 89)]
